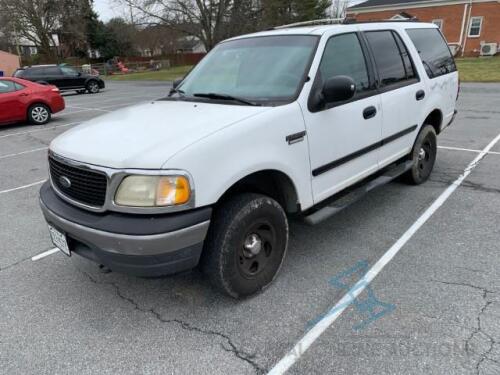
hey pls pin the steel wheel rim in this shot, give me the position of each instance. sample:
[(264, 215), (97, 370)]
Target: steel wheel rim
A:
[(40, 114), (424, 161), (256, 249)]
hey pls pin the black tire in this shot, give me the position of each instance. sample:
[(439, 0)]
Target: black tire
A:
[(246, 244), (92, 87), (39, 114), (423, 155)]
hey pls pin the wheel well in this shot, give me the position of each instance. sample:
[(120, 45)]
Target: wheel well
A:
[(272, 183), (434, 118)]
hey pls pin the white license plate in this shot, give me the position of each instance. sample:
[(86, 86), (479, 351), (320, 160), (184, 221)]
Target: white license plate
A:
[(59, 240)]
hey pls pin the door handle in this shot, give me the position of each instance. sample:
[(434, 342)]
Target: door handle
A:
[(420, 94), (369, 112)]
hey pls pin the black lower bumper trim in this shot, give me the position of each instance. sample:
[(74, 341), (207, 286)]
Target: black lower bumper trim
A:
[(142, 266)]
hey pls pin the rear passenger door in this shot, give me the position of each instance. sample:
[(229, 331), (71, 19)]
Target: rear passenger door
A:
[(53, 75), (402, 94), (343, 137)]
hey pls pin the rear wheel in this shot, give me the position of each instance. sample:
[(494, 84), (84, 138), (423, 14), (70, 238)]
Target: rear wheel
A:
[(93, 87), (246, 244), (423, 155), (39, 114)]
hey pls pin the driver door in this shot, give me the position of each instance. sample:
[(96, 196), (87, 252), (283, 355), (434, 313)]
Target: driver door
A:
[(344, 136)]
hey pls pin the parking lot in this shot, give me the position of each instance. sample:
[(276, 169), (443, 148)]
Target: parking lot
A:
[(441, 290)]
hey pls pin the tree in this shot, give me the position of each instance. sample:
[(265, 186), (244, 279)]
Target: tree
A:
[(214, 20), (281, 12), (117, 38), (208, 20), (34, 20), (73, 26)]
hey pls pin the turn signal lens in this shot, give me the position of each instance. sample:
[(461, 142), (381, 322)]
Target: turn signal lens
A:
[(172, 191), (153, 191)]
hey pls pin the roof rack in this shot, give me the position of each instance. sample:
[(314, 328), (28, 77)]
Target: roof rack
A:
[(336, 21), (324, 21)]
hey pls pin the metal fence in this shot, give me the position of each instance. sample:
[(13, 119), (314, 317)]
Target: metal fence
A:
[(124, 67)]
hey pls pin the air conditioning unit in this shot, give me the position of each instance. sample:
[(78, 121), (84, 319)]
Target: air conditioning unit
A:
[(488, 49)]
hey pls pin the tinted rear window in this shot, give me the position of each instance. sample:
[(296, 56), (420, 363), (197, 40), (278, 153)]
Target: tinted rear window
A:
[(19, 73), (387, 57), (433, 51)]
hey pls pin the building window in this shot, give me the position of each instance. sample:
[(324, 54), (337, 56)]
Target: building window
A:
[(475, 26), (438, 23)]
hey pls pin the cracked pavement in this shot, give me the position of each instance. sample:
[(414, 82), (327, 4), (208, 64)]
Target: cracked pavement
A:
[(62, 315)]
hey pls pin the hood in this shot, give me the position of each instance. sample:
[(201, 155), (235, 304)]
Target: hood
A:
[(146, 135)]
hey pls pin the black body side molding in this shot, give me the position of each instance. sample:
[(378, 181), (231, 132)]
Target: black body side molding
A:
[(365, 150)]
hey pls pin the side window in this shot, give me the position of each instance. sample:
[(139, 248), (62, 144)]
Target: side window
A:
[(405, 55), (19, 86), (52, 71), (343, 56), (387, 57), (34, 72), (6, 86), (69, 72), (433, 50)]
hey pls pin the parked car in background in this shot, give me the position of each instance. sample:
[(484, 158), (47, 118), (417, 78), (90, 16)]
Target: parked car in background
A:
[(64, 77), (22, 100)]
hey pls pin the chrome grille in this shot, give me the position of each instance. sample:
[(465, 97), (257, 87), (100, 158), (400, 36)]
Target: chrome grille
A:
[(85, 185)]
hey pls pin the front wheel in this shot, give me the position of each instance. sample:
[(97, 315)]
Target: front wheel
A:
[(423, 155), (246, 244), (93, 87), (39, 114)]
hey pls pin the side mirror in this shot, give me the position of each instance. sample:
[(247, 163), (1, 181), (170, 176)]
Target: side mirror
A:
[(177, 82), (338, 89)]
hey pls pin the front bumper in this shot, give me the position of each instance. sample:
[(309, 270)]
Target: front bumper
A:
[(141, 245)]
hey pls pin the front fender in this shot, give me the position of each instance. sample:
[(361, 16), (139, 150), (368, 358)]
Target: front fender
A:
[(259, 143)]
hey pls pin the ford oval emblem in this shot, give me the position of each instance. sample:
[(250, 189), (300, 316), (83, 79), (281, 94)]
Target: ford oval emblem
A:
[(65, 182)]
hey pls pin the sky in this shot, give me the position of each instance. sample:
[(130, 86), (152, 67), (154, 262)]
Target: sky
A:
[(107, 9)]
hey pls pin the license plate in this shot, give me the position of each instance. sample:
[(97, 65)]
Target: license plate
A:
[(59, 240)]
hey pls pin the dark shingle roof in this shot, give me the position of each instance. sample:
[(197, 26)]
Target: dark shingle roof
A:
[(373, 3)]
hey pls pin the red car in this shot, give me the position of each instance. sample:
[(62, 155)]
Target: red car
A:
[(22, 100)]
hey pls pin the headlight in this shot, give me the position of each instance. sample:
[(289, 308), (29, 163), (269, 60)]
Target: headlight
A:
[(153, 191)]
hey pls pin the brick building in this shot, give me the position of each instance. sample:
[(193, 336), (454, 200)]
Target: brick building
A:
[(8, 63), (467, 24)]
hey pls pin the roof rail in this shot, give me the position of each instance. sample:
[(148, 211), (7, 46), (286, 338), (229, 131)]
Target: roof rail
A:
[(337, 21), (324, 21)]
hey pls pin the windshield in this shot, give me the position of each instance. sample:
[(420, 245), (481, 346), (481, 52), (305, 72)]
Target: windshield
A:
[(261, 69)]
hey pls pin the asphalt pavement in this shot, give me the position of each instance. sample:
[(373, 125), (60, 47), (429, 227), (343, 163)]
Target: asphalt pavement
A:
[(434, 308)]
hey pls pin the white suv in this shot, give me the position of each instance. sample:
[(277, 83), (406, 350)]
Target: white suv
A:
[(296, 121)]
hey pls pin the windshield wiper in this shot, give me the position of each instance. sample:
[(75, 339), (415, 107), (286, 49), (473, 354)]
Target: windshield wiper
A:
[(212, 95)]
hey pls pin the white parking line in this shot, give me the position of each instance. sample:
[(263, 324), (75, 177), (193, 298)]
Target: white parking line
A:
[(319, 328), (38, 130), (114, 98), (85, 109), (466, 149), (45, 254), (23, 152), (22, 187)]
